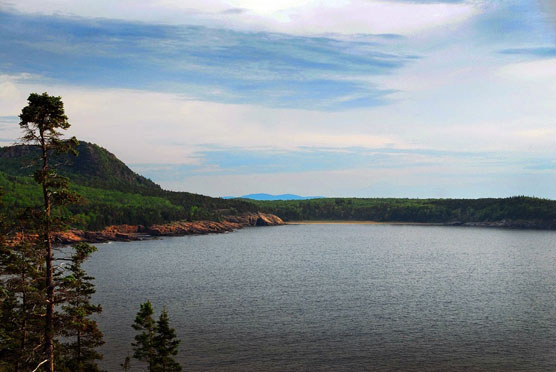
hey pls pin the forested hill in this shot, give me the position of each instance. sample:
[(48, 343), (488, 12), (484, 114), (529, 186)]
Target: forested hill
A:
[(94, 166), (113, 193)]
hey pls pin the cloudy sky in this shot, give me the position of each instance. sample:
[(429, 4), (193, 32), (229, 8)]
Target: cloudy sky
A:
[(367, 98)]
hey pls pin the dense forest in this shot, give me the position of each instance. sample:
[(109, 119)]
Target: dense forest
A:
[(113, 194), (415, 210)]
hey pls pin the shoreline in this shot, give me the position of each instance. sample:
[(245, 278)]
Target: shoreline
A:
[(347, 222), (127, 233), (503, 224)]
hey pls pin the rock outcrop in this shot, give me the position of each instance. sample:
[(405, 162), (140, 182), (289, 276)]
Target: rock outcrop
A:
[(138, 232)]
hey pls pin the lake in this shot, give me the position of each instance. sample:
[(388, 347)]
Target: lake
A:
[(339, 298)]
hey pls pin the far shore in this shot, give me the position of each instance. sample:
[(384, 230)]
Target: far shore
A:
[(504, 224), (344, 222)]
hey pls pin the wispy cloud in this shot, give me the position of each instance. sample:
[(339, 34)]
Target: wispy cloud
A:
[(217, 160), (539, 52), (359, 97), (295, 17), (212, 64)]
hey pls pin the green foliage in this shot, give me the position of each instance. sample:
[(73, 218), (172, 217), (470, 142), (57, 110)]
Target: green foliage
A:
[(156, 344), (143, 347), (166, 345), (23, 305), (413, 210), (41, 122), (112, 193), (81, 333), (31, 284)]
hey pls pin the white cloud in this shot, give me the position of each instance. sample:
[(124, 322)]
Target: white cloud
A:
[(493, 113), (533, 71), (305, 17)]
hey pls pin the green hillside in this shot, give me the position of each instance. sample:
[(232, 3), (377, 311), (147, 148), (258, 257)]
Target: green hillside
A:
[(113, 193), (94, 166)]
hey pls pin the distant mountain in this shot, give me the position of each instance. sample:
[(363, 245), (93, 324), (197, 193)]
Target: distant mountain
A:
[(263, 196)]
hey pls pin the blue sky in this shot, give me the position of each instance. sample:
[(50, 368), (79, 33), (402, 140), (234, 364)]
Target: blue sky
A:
[(335, 98)]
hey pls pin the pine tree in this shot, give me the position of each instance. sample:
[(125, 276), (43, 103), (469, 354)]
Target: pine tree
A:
[(166, 345), (41, 121), (79, 355), (143, 347), (22, 304), (157, 343), (22, 307)]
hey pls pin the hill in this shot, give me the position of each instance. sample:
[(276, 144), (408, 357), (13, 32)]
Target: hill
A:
[(95, 166), (112, 192)]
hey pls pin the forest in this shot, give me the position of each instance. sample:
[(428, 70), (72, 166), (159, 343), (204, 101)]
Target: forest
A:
[(113, 194), (452, 211)]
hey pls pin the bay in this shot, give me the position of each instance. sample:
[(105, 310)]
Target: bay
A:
[(339, 298)]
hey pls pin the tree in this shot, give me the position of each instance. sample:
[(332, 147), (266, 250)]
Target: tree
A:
[(143, 347), (166, 345), (22, 307), (157, 343), (41, 121), (22, 304), (79, 355)]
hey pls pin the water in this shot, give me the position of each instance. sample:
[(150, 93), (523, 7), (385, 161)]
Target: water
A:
[(339, 298)]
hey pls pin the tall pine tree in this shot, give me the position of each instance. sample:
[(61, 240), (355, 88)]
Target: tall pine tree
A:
[(41, 121)]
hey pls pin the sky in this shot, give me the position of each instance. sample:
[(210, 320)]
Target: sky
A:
[(363, 98)]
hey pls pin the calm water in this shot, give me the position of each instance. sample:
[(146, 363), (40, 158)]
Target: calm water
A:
[(340, 298)]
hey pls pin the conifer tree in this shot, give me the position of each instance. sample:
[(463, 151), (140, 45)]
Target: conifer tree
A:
[(166, 345), (157, 343), (22, 304), (143, 347), (42, 121), (22, 307), (79, 355)]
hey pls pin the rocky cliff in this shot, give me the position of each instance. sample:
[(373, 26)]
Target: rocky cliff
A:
[(138, 232)]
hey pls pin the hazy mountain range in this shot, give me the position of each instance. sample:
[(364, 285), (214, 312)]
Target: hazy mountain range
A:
[(263, 196)]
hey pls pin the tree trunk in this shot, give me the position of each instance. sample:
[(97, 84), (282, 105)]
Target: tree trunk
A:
[(23, 322), (49, 282)]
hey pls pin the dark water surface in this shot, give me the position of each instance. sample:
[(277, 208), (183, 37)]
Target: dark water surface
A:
[(340, 298)]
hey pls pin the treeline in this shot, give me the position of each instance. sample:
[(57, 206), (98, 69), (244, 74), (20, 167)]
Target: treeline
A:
[(100, 207), (413, 210)]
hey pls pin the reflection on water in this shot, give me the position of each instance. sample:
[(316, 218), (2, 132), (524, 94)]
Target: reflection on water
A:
[(340, 298)]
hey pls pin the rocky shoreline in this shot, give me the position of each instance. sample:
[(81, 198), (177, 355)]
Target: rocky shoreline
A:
[(128, 233), (180, 228)]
